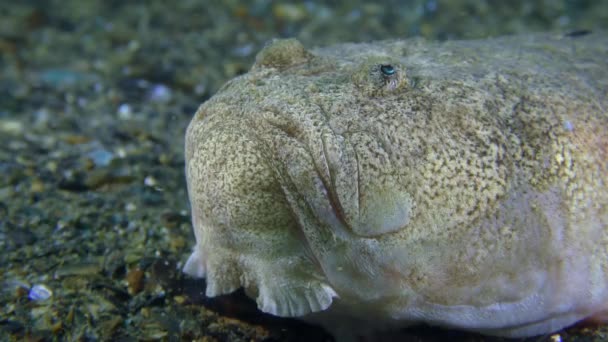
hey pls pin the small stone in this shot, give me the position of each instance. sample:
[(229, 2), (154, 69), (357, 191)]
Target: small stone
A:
[(556, 338), (56, 327), (76, 139), (13, 127), (135, 281), (41, 117), (101, 157), (124, 111), (52, 166), (164, 159), (109, 326), (79, 269), (179, 299), (171, 219), (64, 77), (290, 12), (37, 186), (200, 89), (40, 293), (21, 292), (160, 93), (121, 152), (150, 181), (6, 192), (244, 50)]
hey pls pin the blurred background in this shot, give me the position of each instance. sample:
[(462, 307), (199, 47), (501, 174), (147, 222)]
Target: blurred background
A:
[(95, 97)]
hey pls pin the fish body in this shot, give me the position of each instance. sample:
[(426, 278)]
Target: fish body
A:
[(461, 184)]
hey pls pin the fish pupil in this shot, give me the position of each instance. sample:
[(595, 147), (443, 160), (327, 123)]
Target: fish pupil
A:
[(387, 69)]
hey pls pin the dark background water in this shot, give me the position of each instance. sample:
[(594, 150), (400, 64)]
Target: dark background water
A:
[(94, 100)]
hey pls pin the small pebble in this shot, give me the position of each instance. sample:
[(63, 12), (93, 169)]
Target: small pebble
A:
[(160, 93), (11, 127), (37, 186), (62, 77), (39, 293), (124, 111), (164, 159), (150, 181), (101, 157), (135, 281), (179, 299), (200, 89), (41, 117), (289, 11), (244, 50)]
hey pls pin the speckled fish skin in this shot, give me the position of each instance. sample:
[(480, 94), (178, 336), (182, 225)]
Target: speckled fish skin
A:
[(461, 184)]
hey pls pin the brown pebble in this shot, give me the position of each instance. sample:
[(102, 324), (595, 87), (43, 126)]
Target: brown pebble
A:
[(135, 281), (164, 159), (179, 299), (75, 139), (109, 326), (177, 243), (171, 219), (56, 327), (37, 186), (21, 292)]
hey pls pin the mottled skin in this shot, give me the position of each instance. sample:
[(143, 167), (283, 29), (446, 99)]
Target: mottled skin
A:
[(464, 184)]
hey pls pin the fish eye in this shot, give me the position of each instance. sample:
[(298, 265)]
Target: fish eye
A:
[(378, 75), (387, 69)]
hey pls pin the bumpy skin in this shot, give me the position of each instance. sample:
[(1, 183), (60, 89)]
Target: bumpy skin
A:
[(461, 184)]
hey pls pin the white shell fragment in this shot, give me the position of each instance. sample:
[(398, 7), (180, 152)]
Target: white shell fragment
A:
[(40, 292)]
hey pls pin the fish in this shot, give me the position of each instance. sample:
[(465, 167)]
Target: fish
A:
[(373, 186)]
